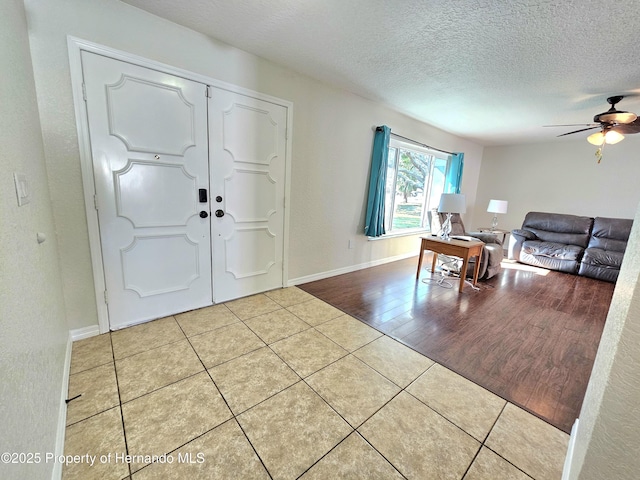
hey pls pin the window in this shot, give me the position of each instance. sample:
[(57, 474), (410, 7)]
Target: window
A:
[(415, 181)]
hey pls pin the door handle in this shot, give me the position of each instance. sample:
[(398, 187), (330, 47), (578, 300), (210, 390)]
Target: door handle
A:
[(203, 214), (202, 195), (219, 213)]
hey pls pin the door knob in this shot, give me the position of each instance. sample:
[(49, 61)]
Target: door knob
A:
[(218, 199), (203, 214), (219, 213)]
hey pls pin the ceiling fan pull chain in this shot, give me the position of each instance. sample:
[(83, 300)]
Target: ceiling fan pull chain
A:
[(599, 153)]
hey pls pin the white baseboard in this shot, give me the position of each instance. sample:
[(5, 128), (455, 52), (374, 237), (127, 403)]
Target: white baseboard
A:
[(62, 412), (349, 269), (84, 332), (566, 471)]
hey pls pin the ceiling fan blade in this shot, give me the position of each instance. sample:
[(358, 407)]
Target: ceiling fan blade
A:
[(581, 130), (628, 128)]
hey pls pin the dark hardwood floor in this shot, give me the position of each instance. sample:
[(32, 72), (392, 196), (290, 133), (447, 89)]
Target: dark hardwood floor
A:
[(528, 335)]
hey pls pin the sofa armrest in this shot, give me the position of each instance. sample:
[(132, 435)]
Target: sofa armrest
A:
[(516, 240), (527, 234)]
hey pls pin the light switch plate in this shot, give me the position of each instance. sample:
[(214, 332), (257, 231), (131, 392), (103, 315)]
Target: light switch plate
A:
[(22, 188)]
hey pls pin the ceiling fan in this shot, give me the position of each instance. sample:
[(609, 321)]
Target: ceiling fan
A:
[(613, 125)]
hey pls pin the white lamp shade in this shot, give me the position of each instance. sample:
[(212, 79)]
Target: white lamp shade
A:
[(497, 206), (452, 203)]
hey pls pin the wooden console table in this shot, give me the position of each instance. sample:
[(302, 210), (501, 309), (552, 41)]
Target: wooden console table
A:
[(456, 248)]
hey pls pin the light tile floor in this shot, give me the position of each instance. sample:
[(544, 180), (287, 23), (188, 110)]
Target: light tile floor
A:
[(282, 385)]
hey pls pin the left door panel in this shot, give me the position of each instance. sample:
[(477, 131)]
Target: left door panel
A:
[(148, 134)]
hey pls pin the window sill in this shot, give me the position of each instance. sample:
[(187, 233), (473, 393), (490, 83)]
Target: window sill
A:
[(420, 231)]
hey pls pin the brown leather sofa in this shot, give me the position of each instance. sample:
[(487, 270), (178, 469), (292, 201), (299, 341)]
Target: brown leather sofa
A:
[(592, 247)]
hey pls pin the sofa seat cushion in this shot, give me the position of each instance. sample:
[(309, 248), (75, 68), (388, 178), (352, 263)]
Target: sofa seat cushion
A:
[(551, 255), (598, 257), (601, 264), (559, 251)]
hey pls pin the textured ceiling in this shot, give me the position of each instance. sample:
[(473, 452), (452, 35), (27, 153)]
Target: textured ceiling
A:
[(493, 71)]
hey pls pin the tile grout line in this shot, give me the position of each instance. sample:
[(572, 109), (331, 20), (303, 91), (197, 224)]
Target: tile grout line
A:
[(402, 389), (380, 453), (508, 461), (355, 429), (101, 411), (124, 430), (301, 379), (489, 433), (252, 446), (234, 417)]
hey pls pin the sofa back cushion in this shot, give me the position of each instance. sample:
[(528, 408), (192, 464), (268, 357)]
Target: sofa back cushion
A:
[(610, 234), (559, 228)]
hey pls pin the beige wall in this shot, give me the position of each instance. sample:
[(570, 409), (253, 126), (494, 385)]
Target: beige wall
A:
[(332, 139), (33, 330), (562, 177)]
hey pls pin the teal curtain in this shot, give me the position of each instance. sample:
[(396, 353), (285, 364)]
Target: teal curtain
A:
[(453, 178), (374, 221)]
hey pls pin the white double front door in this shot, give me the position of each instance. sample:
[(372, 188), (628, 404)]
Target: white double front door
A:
[(189, 190)]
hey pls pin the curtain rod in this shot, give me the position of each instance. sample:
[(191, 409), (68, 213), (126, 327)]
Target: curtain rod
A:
[(379, 129)]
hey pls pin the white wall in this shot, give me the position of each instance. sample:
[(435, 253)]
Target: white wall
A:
[(332, 138), (561, 177), (33, 330)]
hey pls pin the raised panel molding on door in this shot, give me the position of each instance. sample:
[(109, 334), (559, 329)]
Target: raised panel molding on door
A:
[(264, 189), (265, 144), (146, 259), (250, 252), (163, 100), (149, 146), (139, 180), (247, 148)]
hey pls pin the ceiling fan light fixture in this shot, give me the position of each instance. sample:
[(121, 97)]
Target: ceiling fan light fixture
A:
[(600, 138), (612, 137), (596, 138)]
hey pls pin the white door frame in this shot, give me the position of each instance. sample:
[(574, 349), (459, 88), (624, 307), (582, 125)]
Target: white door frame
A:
[(75, 47)]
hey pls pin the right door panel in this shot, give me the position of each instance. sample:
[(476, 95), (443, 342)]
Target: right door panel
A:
[(247, 148)]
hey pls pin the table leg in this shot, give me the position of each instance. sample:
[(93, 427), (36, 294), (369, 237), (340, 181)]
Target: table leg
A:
[(434, 262), (463, 271), (419, 262), (476, 269)]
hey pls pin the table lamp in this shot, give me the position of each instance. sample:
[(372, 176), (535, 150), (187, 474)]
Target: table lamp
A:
[(450, 203), (496, 207)]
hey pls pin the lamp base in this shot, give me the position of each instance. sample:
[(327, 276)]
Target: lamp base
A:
[(494, 222), (445, 231)]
